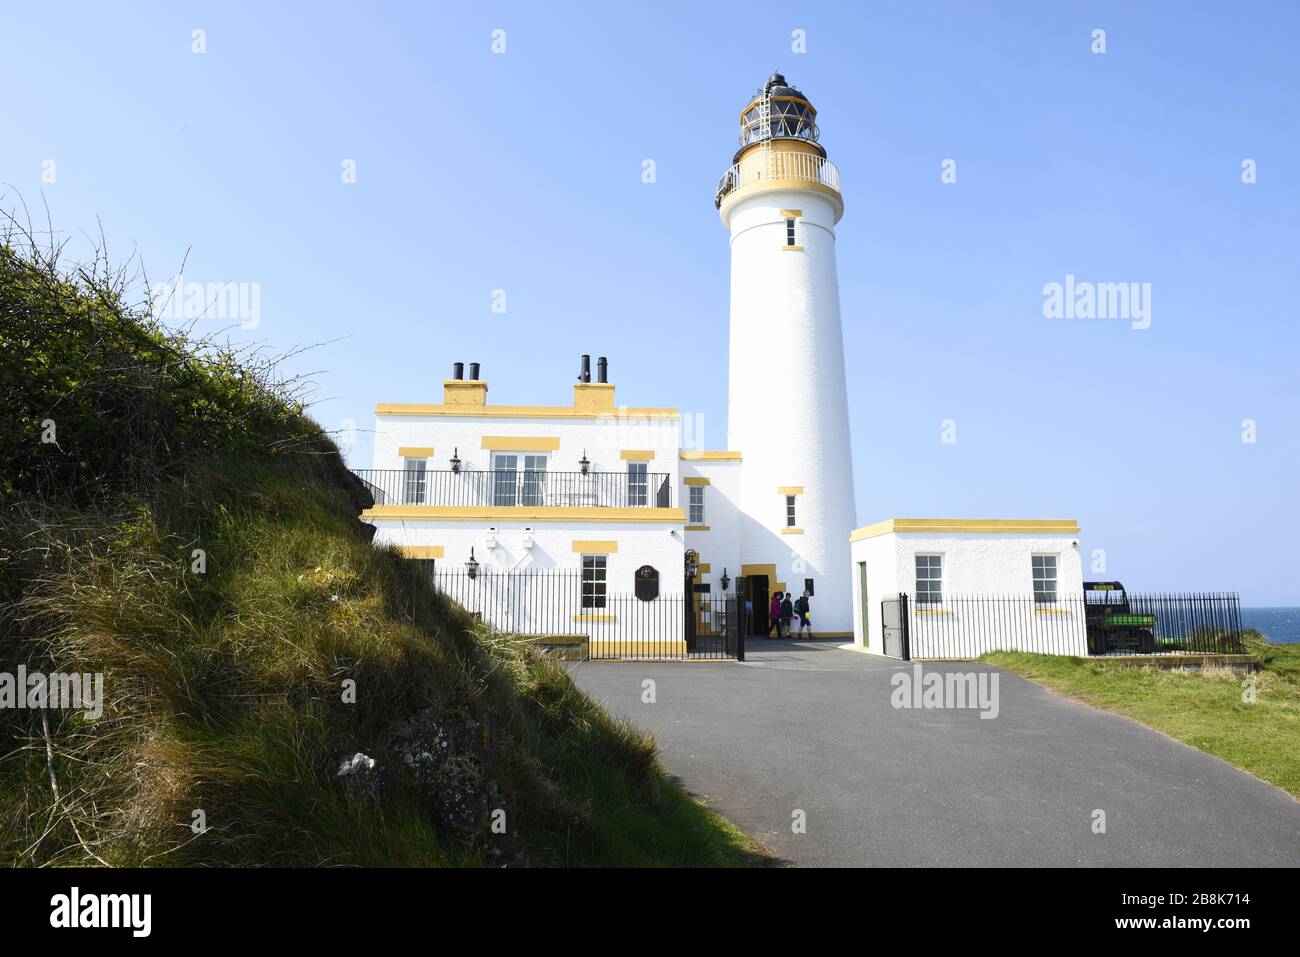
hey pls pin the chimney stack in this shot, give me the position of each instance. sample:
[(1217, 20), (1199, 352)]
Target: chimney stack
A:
[(593, 398), (457, 391)]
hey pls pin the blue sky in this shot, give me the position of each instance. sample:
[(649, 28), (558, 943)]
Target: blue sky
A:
[(522, 171)]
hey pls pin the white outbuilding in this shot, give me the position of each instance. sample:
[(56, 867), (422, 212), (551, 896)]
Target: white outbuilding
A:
[(956, 588)]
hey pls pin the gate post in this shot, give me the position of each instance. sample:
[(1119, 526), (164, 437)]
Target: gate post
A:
[(905, 621)]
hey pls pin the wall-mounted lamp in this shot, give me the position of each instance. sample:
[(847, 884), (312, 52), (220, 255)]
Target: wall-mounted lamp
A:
[(692, 563), (455, 460), (491, 540), (527, 539), (725, 580), (583, 464), (471, 566)]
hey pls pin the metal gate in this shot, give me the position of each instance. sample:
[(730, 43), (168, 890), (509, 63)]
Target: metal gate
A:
[(893, 619)]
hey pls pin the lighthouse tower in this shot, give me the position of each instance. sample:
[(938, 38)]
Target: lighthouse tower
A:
[(787, 402)]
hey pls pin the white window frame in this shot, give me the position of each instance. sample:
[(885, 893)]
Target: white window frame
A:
[(930, 588), (695, 512), (1045, 562), (638, 484), (415, 488), (595, 581), (528, 487)]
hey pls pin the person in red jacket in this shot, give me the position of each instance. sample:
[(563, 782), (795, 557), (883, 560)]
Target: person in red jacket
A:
[(774, 616)]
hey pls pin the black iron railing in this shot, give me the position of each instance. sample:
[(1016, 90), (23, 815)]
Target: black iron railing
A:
[(553, 603), (522, 487), (967, 626)]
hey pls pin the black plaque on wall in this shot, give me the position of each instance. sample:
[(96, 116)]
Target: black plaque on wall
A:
[(647, 583)]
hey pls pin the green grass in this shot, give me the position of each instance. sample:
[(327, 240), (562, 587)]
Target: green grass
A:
[(228, 690), (1204, 709)]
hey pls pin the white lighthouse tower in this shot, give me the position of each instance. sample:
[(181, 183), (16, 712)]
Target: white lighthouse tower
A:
[(787, 402)]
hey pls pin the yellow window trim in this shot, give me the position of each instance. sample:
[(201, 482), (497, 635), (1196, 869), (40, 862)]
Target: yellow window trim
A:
[(524, 513), (605, 618), (416, 451), (421, 551), (1051, 611), (989, 525), (698, 528), (637, 455), (709, 456), (791, 213), (789, 490), (696, 480), (793, 249), (594, 547), (933, 611), (792, 531), (521, 443)]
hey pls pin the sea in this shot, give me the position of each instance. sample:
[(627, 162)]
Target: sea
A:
[(1279, 625)]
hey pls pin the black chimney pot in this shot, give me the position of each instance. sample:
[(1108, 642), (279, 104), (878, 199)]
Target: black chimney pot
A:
[(458, 370), (584, 373), (473, 371), (602, 369)]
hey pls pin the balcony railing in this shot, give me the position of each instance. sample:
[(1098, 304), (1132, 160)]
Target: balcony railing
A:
[(777, 165), (522, 487)]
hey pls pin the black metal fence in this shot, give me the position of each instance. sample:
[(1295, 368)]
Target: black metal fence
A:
[(526, 487), (553, 605), (967, 626)]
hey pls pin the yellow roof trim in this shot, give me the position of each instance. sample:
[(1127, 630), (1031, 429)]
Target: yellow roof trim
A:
[(637, 455), (522, 411), (989, 525)]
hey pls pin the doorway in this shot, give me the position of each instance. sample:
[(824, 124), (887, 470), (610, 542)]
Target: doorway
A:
[(758, 597)]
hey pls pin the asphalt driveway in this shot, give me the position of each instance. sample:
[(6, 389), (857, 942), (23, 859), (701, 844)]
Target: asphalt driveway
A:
[(809, 727)]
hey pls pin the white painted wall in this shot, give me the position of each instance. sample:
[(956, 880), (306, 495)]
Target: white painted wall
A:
[(974, 564), (787, 401), (719, 547), (639, 543)]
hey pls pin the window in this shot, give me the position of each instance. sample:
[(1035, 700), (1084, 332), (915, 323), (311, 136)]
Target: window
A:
[(511, 487), (1044, 578), (638, 483), (789, 232), (534, 486), (696, 515), (790, 521), (929, 579), (414, 487), (594, 571)]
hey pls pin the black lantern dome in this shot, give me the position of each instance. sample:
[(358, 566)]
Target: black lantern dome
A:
[(789, 116)]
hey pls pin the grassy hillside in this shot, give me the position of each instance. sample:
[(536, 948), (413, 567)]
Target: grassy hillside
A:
[(240, 689), (1203, 708)]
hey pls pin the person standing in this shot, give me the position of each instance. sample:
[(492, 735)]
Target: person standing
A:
[(787, 614), (802, 607), (774, 616)]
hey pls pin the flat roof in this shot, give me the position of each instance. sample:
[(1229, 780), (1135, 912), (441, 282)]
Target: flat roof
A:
[(1069, 526)]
